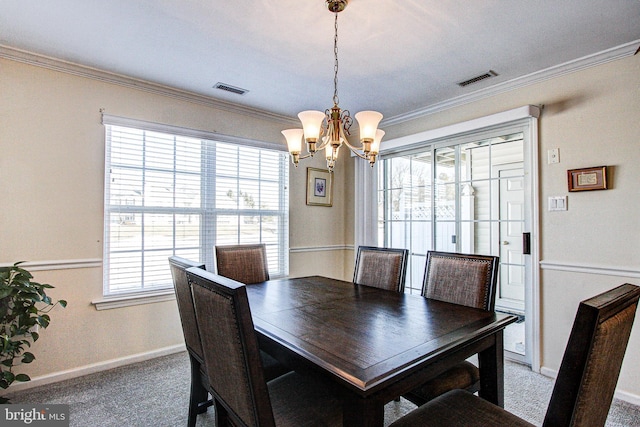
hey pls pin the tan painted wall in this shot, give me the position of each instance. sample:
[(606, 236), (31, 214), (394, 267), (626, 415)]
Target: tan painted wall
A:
[(593, 117), (321, 226), (51, 187)]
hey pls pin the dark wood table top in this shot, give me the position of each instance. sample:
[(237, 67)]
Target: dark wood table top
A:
[(365, 337)]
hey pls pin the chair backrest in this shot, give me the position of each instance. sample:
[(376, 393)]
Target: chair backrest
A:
[(463, 279), (230, 345), (184, 298), (243, 263), (592, 360), (384, 268)]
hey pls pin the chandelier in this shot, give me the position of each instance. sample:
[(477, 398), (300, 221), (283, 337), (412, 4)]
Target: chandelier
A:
[(329, 130)]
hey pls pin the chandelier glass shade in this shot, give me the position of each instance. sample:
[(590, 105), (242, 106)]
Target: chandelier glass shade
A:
[(328, 131)]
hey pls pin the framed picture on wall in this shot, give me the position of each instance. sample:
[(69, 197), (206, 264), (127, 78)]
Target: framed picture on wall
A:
[(319, 187), (594, 178)]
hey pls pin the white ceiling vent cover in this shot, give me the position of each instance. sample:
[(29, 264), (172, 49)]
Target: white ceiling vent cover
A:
[(477, 79), (229, 88)]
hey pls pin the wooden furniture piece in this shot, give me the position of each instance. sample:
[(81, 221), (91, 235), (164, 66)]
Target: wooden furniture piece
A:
[(585, 383), (199, 395), (232, 358), (243, 263), (464, 279), (374, 344), (384, 268)]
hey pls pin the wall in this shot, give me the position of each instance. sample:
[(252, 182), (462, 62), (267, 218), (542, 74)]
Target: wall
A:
[(592, 117), (51, 187), (322, 237)]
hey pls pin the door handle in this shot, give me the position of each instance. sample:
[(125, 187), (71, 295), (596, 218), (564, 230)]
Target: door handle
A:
[(526, 243), (506, 242)]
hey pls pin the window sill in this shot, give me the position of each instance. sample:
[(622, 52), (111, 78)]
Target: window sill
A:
[(108, 303)]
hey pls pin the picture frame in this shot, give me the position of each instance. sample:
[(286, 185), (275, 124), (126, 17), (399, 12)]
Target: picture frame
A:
[(584, 179), (319, 187)]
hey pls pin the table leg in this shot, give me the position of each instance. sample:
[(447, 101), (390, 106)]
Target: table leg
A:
[(362, 413), (491, 363)]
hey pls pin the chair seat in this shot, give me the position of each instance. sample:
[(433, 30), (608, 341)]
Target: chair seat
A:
[(300, 400), (464, 375), (272, 368), (459, 408)]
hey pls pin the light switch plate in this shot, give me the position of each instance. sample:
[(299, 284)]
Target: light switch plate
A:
[(558, 203), (553, 155)]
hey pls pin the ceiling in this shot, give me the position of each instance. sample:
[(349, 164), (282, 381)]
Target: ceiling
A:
[(396, 57)]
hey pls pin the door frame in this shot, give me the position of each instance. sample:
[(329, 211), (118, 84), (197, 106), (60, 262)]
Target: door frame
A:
[(525, 119)]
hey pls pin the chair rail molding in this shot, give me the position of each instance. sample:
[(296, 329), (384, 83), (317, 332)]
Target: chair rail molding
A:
[(300, 249), (590, 269), (64, 264)]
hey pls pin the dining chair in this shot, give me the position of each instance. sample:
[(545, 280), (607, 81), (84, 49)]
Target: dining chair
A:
[(585, 384), (463, 279), (384, 268), (230, 344), (199, 394), (243, 263)]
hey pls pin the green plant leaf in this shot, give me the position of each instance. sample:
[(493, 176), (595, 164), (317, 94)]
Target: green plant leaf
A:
[(23, 305), (43, 321), (22, 377), (8, 376)]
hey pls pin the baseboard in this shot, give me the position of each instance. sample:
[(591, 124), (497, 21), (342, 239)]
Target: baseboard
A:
[(625, 396), (94, 367)]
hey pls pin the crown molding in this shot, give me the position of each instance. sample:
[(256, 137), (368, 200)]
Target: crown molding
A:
[(579, 64), (55, 64)]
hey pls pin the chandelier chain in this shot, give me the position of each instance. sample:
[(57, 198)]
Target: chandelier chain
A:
[(335, 67), (328, 131)]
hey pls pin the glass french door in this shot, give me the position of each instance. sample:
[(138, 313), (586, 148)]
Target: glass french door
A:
[(465, 195)]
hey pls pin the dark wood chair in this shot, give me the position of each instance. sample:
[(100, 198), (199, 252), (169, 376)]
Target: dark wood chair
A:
[(586, 380), (384, 268), (463, 279), (230, 344), (243, 263), (199, 395)]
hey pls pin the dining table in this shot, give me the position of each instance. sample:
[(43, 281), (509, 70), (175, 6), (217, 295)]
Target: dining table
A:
[(374, 345)]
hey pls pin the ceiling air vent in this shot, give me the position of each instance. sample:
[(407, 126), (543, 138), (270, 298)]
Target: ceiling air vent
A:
[(229, 88), (476, 79)]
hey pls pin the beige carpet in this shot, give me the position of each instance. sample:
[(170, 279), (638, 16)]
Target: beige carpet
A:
[(156, 393)]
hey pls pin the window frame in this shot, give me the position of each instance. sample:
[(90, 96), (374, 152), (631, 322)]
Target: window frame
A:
[(113, 299)]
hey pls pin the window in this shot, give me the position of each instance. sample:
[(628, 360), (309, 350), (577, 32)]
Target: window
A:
[(446, 197), (175, 194)]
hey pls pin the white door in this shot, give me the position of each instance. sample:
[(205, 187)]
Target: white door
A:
[(511, 210)]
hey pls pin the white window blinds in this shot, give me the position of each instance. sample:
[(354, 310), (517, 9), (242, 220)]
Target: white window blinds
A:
[(168, 194)]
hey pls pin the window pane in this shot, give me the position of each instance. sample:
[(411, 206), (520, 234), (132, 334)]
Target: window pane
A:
[(187, 191), (125, 187), (173, 195), (249, 194), (187, 230), (227, 229), (158, 231), (158, 189)]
